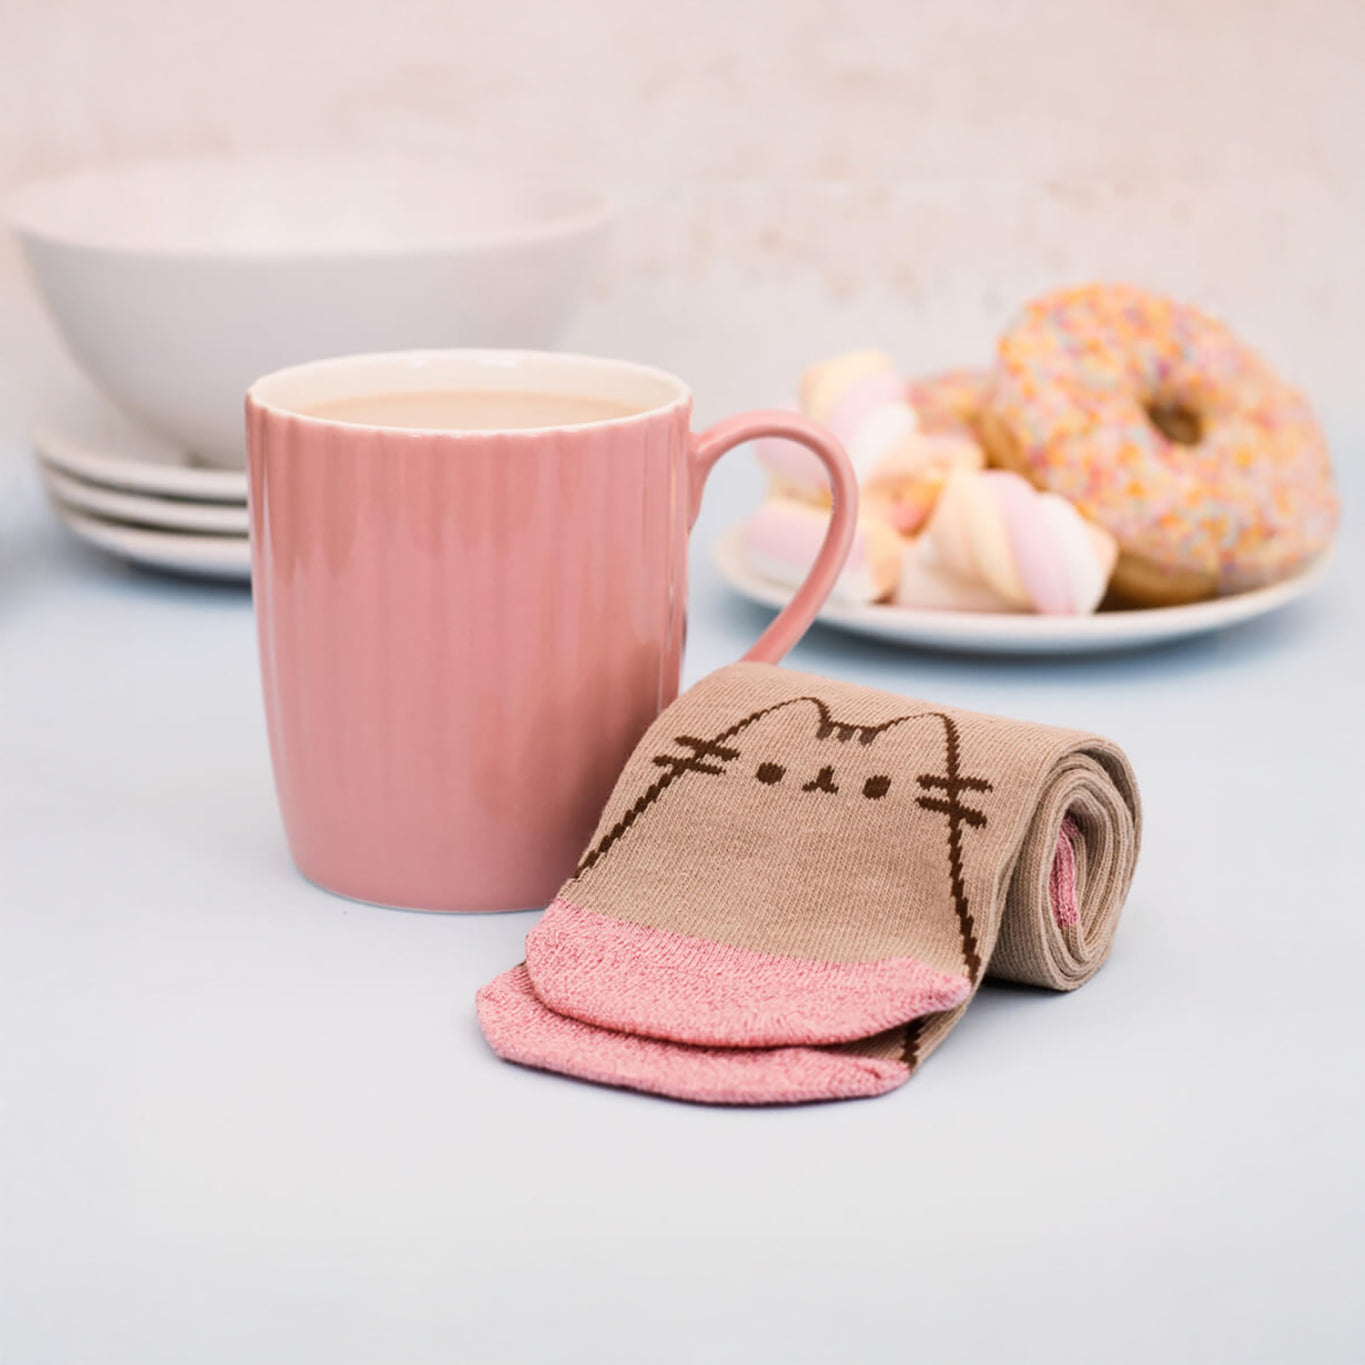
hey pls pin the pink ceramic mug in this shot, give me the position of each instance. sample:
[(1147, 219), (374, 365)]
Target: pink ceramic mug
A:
[(464, 633)]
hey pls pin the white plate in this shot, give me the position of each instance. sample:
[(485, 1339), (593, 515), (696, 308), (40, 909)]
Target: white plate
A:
[(143, 509), (1024, 633), (99, 447), (202, 556)]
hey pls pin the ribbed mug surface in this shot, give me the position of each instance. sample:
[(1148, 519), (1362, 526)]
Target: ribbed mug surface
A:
[(462, 636)]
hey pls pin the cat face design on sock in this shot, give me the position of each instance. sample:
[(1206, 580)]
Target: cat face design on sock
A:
[(796, 810)]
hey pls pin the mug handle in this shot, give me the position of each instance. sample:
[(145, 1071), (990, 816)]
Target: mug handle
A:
[(794, 619)]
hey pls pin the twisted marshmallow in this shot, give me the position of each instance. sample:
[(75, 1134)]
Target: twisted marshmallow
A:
[(1029, 551)]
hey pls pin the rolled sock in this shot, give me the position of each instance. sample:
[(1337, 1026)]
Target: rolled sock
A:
[(521, 1028), (790, 865), (782, 538)]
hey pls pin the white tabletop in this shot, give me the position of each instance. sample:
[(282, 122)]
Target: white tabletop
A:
[(246, 1121)]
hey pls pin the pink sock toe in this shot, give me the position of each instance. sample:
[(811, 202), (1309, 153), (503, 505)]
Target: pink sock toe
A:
[(520, 1028), (663, 984)]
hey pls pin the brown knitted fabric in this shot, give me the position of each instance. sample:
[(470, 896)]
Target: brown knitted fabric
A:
[(793, 864)]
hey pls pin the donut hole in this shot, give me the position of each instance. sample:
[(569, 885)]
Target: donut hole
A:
[(1176, 421)]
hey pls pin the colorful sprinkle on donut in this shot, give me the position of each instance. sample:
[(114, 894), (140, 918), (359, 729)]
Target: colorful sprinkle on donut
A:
[(1159, 424), (952, 401)]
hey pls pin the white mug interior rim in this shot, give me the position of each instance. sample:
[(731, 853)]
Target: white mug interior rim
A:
[(296, 390)]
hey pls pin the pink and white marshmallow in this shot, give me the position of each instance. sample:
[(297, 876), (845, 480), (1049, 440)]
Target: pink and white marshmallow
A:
[(781, 539), (900, 468), (995, 543)]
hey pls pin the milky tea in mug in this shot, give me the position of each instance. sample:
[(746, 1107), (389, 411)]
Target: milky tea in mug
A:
[(471, 409)]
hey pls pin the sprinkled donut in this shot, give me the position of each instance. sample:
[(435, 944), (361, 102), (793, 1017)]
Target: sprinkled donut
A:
[(952, 401), (1156, 422)]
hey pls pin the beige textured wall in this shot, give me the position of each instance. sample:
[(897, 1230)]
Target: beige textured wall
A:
[(798, 175)]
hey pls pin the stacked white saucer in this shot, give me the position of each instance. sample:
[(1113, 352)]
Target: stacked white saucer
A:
[(132, 494)]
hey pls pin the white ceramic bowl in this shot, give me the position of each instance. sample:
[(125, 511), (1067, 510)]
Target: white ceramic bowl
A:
[(177, 283)]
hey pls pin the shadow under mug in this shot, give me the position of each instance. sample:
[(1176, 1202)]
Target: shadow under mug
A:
[(463, 634)]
